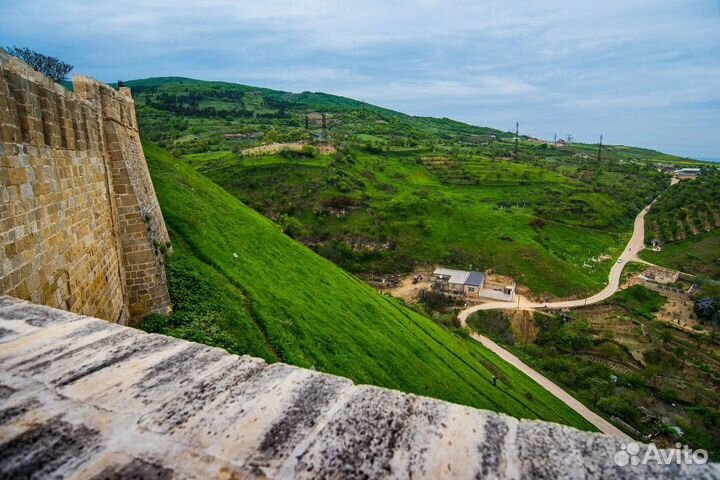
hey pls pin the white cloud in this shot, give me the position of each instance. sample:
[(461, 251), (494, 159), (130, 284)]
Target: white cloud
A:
[(485, 61)]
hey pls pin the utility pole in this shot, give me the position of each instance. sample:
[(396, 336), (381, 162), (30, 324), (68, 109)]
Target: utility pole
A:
[(517, 130), (324, 126), (555, 137), (600, 148)]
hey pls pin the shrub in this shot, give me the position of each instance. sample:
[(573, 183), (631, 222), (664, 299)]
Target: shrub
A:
[(436, 301), (49, 66), (291, 226)]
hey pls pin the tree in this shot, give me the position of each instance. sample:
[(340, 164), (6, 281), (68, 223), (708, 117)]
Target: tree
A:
[(49, 66), (705, 308)]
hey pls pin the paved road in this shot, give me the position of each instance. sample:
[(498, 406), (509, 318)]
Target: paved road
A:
[(600, 423), (635, 244)]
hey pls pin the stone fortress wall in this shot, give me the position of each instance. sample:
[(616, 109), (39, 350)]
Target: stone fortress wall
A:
[(80, 226)]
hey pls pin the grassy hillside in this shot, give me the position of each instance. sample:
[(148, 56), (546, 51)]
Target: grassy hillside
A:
[(406, 191), (236, 281), (687, 220), (698, 255), (553, 225)]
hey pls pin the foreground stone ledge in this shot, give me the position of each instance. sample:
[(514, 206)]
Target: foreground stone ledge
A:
[(84, 398)]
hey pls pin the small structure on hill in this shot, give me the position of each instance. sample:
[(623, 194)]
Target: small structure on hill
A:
[(656, 245), (687, 173), (473, 284), (660, 275)]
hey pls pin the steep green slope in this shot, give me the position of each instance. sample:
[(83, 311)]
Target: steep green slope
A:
[(235, 276)]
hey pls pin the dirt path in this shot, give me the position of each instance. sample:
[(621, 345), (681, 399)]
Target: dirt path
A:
[(636, 243), (634, 246), (603, 425)]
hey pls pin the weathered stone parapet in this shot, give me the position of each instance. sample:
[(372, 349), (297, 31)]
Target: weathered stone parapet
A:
[(84, 398), (143, 236), (78, 211)]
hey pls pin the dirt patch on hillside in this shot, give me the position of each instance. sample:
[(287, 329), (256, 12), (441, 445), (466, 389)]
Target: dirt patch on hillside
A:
[(410, 286), (523, 325)]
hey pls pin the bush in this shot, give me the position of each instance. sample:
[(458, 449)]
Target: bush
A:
[(307, 151), (291, 226), (435, 301), (494, 324), (49, 66)]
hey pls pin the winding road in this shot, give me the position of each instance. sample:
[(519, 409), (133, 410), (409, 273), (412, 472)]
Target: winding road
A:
[(635, 245)]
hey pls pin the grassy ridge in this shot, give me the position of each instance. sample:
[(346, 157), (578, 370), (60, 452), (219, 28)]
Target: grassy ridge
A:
[(532, 220), (292, 305)]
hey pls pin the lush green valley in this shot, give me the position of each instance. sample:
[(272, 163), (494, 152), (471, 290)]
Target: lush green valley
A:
[(402, 192), (376, 192), (237, 282)]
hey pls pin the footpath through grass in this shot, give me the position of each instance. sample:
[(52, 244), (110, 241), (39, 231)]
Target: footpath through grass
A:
[(237, 282)]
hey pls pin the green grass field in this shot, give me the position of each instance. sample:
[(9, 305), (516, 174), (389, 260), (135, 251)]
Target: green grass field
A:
[(540, 225), (237, 282), (699, 255)]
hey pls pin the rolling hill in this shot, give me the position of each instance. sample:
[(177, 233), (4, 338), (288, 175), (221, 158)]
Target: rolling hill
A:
[(406, 192), (237, 282)]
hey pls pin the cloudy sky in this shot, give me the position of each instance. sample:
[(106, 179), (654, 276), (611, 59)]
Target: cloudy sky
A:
[(642, 72)]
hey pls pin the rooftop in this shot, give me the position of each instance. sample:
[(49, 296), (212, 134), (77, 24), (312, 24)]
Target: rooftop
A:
[(86, 398), (475, 279), (456, 276)]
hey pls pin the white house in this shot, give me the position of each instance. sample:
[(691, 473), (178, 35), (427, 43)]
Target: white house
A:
[(684, 173)]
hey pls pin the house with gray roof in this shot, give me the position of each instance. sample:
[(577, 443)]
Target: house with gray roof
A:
[(471, 284)]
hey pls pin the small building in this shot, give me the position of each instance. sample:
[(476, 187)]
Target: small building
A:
[(472, 284), (452, 281), (498, 287), (660, 275), (687, 173), (656, 245)]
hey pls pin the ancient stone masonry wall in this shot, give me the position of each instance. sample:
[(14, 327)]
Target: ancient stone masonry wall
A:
[(80, 226), (83, 398)]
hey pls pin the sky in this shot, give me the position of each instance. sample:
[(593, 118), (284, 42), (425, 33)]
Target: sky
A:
[(640, 72)]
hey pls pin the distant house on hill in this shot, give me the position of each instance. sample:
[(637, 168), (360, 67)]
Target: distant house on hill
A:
[(656, 244), (687, 173), (471, 284)]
